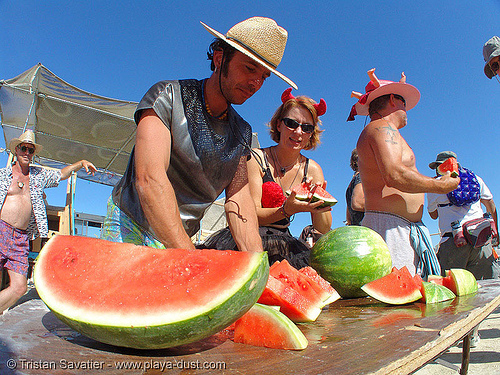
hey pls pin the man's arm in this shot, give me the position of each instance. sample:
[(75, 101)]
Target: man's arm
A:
[(156, 194), (240, 211), (388, 145), (358, 198), (89, 167), (492, 209)]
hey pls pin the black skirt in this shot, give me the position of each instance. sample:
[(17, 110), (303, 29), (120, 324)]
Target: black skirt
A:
[(279, 244)]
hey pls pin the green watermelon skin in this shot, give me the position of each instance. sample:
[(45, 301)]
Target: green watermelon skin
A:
[(350, 257), (167, 335), (434, 293), (463, 281)]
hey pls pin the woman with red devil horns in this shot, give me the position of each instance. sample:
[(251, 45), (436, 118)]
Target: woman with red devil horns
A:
[(274, 170)]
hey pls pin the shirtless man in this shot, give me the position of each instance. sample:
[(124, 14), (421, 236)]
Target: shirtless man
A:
[(22, 214), (394, 189)]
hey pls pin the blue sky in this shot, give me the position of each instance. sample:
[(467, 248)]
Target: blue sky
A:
[(120, 48)]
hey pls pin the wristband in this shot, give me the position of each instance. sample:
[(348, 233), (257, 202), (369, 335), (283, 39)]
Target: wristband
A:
[(283, 212)]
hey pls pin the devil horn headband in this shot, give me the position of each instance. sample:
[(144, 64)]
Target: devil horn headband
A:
[(320, 107)]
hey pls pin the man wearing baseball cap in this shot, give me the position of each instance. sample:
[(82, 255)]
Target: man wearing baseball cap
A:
[(491, 55), (191, 146), (394, 189), (22, 215)]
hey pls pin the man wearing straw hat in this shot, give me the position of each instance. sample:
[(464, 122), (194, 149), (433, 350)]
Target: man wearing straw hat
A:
[(22, 215), (191, 145), (491, 55), (394, 189)]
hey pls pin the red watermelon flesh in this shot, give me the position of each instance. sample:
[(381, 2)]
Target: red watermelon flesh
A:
[(449, 165), (294, 305), (445, 281), (321, 194), (265, 326), (146, 298), (302, 191), (396, 288), (419, 283), (331, 294), (290, 276)]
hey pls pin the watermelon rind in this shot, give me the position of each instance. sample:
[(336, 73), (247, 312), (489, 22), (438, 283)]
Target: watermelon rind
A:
[(464, 281), (321, 194), (349, 257), (292, 336), (143, 331), (434, 293)]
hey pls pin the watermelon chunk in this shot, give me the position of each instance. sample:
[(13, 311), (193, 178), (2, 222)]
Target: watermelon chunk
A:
[(331, 295), (449, 165), (441, 280), (293, 304), (321, 194), (302, 191), (462, 281), (396, 288), (433, 293), (265, 326), (290, 276), (146, 298)]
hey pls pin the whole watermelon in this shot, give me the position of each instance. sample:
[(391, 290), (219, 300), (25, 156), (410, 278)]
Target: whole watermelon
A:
[(349, 257)]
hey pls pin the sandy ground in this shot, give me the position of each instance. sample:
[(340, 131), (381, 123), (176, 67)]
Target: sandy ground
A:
[(484, 358)]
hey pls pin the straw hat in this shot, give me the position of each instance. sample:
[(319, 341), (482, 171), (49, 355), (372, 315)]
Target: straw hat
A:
[(259, 38), (27, 137), (377, 88)]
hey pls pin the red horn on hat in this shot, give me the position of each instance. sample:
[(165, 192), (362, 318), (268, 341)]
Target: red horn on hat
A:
[(320, 108), (287, 95)]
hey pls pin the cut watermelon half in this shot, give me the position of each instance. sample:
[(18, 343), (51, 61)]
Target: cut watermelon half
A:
[(330, 294), (265, 326), (294, 305), (146, 298), (396, 288), (449, 165), (462, 281), (313, 193), (434, 293)]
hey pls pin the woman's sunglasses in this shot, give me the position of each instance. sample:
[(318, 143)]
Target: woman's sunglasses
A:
[(31, 150), (292, 124)]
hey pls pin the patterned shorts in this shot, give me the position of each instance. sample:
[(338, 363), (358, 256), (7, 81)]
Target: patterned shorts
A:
[(14, 249), (118, 227)]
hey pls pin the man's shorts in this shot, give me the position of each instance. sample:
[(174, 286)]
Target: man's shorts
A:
[(14, 249)]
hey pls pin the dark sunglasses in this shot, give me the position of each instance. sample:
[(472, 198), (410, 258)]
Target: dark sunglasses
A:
[(292, 124), (31, 150), (495, 66), (400, 98)]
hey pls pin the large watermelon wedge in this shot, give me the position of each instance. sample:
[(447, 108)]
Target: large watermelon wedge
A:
[(146, 298), (266, 326)]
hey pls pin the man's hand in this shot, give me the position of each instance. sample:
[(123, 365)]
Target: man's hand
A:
[(448, 183)]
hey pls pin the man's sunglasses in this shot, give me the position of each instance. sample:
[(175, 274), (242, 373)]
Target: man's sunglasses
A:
[(31, 150), (292, 124), (495, 66)]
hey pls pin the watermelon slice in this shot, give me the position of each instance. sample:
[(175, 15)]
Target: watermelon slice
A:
[(462, 281), (396, 288), (290, 276), (433, 293), (449, 165), (146, 298), (441, 280), (331, 294), (303, 193), (293, 304), (321, 194), (265, 326)]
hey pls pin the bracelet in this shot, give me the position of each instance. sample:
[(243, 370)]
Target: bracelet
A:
[(283, 212)]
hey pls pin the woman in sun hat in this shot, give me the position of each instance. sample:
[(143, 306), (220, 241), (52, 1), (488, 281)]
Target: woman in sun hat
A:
[(23, 215), (491, 55), (272, 171)]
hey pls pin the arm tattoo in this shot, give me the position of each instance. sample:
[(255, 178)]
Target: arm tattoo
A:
[(390, 132)]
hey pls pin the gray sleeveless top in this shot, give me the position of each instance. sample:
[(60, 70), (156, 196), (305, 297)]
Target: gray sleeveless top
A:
[(204, 157)]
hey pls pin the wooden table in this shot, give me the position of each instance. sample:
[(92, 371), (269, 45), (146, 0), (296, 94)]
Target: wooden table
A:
[(357, 336)]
